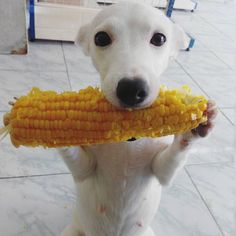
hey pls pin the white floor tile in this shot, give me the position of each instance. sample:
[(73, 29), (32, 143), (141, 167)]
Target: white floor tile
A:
[(37, 206), (220, 88), (216, 17), (182, 212), (220, 44), (217, 11), (230, 114), (198, 27), (197, 62), (18, 83), (227, 58), (83, 79), (76, 60), (42, 56), (210, 6), (216, 184), (80, 68), (227, 29), (174, 67)]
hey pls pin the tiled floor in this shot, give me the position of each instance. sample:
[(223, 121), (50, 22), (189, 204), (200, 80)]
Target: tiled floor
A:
[(37, 191)]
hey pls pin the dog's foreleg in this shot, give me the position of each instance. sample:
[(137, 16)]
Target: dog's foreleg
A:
[(166, 164), (80, 163)]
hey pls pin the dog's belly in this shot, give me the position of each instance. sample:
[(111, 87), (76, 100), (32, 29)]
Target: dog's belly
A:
[(124, 209), (122, 197)]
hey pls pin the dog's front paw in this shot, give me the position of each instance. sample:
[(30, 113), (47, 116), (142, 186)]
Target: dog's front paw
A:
[(183, 140), (204, 129)]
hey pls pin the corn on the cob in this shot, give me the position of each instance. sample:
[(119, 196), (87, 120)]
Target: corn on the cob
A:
[(81, 118)]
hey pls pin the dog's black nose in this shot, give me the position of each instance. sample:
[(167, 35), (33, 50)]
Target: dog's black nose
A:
[(131, 92)]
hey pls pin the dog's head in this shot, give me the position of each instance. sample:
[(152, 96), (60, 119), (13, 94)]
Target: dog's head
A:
[(130, 45)]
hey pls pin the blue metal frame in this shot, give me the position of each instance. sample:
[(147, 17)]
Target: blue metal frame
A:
[(169, 10), (170, 7), (191, 43), (31, 30), (196, 4)]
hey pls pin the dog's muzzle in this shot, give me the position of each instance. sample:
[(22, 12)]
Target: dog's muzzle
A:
[(131, 92)]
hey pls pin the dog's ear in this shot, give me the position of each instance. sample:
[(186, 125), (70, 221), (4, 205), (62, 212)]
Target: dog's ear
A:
[(180, 40), (82, 38)]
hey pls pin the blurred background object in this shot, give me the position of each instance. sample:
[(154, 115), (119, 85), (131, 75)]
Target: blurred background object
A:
[(13, 38)]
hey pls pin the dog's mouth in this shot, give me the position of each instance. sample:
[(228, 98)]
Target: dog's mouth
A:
[(133, 107), (132, 139), (137, 106), (130, 94), (120, 105)]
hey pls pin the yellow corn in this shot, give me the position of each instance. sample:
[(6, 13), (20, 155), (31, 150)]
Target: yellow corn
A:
[(81, 118)]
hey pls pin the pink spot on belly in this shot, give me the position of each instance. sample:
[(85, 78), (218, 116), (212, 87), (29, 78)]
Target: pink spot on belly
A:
[(139, 224), (81, 234), (102, 209)]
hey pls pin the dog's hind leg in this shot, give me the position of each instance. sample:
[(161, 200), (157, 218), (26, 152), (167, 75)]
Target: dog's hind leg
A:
[(70, 230), (149, 232), (74, 228)]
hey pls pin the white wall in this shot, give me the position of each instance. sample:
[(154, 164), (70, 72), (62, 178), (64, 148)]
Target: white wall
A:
[(13, 37)]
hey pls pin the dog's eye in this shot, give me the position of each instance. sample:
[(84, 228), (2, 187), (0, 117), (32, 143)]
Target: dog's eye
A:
[(102, 39), (158, 39)]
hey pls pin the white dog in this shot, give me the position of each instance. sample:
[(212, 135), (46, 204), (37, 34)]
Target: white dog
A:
[(119, 185)]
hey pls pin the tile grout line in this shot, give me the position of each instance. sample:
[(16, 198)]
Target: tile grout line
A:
[(210, 163), (217, 30), (32, 176), (222, 112), (198, 85), (212, 25), (67, 72), (204, 202), (35, 71), (213, 52), (229, 67), (192, 78)]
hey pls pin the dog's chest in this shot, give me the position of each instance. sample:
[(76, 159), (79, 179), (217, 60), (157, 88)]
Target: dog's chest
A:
[(126, 159), (120, 164)]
